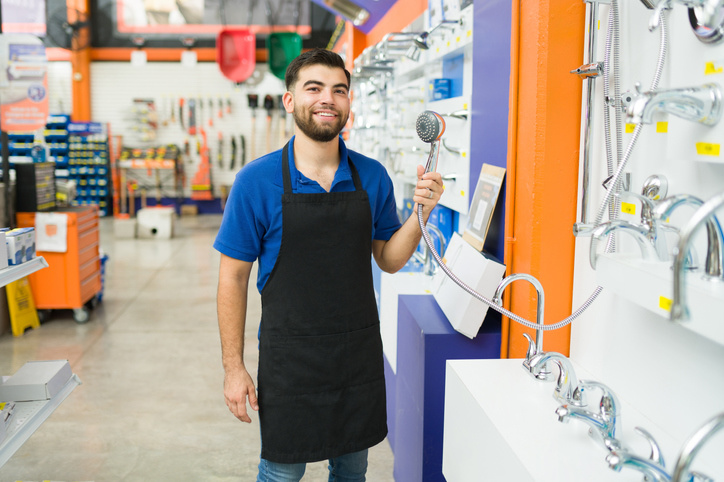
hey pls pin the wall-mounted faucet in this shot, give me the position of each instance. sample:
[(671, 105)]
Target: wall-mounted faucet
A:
[(605, 424), (679, 309), (692, 447), (698, 104), (640, 234), (714, 264), (707, 9)]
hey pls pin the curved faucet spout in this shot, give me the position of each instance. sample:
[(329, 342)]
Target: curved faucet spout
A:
[(567, 390), (640, 233), (715, 239), (604, 424), (693, 445), (698, 104), (497, 299), (679, 309)]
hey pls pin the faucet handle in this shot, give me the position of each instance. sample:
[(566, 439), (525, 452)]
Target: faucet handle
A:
[(656, 454), (656, 16)]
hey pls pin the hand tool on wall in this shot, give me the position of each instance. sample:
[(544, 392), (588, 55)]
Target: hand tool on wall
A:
[(282, 121), (228, 106), (243, 151), (221, 108), (181, 112), (192, 116), (232, 164), (173, 110), (201, 187), (220, 154), (211, 112), (253, 104), (269, 106)]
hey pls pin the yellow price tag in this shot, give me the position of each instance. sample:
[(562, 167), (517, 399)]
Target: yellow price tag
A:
[(711, 68), (665, 303), (707, 149), (662, 127), (628, 208), (630, 128)]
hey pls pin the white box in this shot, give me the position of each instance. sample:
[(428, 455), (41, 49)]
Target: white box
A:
[(155, 222), (466, 313), (36, 380), (20, 244), (3, 259)]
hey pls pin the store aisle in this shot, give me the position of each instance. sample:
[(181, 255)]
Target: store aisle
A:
[(151, 406)]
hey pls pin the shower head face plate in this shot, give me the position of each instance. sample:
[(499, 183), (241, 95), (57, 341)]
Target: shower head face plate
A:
[(430, 126)]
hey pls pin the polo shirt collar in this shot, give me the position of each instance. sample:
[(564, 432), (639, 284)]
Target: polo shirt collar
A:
[(343, 172)]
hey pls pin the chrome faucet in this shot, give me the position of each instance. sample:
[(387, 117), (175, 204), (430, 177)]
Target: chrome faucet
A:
[(679, 309), (498, 299), (708, 9), (567, 390), (698, 104), (654, 235), (692, 447), (605, 424), (640, 233), (715, 240), (653, 468)]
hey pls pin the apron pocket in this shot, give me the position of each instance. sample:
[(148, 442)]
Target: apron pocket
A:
[(295, 365)]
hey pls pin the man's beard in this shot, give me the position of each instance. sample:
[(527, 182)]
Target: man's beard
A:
[(320, 133)]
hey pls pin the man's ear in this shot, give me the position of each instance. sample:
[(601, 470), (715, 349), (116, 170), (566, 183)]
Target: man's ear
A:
[(288, 100)]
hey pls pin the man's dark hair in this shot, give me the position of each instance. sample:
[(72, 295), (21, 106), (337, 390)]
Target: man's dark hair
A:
[(313, 57)]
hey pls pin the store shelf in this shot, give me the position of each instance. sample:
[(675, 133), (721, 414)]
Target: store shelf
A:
[(28, 416), (650, 284), (13, 273)]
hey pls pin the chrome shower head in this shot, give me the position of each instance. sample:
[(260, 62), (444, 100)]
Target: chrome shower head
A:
[(430, 126), (421, 40)]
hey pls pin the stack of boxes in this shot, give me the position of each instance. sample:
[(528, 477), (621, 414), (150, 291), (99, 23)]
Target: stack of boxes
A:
[(20, 246)]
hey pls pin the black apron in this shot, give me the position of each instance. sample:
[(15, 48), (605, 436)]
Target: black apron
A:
[(321, 377)]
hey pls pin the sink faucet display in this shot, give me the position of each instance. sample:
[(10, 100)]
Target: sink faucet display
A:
[(640, 234), (498, 299), (605, 424), (679, 309), (715, 239), (653, 467), (698, 104), (567, 389), (692, 447)]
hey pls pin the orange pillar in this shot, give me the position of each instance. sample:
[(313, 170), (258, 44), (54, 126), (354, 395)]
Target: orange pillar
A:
[(80, 60), (544, 128)]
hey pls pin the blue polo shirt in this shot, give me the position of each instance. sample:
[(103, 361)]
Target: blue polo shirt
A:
[(251, 228)]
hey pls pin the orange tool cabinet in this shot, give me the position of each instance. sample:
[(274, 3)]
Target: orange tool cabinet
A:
[(72, 278)]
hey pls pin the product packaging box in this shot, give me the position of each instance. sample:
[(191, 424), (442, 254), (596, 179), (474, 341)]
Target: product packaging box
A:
[(441, 89), (155, 222), (36, 380), (483, 273), (3, 259), (20, 244)]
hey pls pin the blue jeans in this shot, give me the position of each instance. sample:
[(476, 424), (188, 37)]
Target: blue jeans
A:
[(345, 468)]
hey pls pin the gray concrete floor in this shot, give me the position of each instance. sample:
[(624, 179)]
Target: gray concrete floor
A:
[(151, 406)]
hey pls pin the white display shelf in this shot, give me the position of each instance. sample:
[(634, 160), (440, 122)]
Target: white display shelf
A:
[(27, 418), (500, 424), (14, 273), (650, 284)]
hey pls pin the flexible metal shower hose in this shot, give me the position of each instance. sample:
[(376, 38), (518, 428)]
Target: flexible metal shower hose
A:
[(597, 291)]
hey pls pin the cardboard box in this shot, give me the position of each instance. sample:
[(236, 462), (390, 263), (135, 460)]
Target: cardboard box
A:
[(482, 273), (3, 259), (36, 380), (20, 244)]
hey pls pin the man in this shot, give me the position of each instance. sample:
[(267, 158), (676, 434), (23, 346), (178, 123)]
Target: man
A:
[(311, 214)]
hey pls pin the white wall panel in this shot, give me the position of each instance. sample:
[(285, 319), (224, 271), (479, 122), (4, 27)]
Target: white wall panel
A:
[(117, 84)]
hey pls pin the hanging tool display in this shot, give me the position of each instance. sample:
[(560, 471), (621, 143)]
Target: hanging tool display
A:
[(221, 108), (211, 112), (282, 120), (181, 113), (201, 187), (253, 104), (242, 156), (228, 106), (269, 106), (232, 163), (192, 116), (220, 154)]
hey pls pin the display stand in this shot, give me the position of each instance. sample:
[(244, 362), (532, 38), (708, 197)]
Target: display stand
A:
[(14, 273), (27, 418)]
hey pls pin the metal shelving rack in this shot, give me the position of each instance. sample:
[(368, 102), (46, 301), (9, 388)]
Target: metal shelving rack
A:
[(28, 416)]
